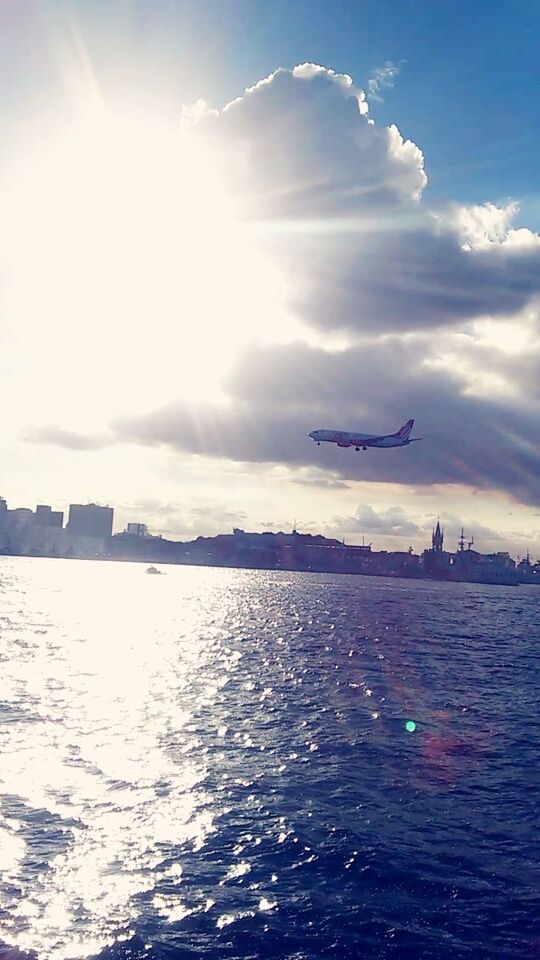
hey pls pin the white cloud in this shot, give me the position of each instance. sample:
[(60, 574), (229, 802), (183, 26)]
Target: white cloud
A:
[(392, 522), (481, 226), (197, 111), (339, 207), (383, 79), (298, 144), (309, 70)]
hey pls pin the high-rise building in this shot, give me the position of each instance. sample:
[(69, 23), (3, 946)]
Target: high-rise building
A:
[(43, 514), (46, 517), (90, 520), (20, 516)]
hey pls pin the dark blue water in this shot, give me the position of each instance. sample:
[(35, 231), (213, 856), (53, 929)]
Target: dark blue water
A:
[(215, 763)]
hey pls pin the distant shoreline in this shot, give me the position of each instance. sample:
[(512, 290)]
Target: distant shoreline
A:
[(274, 569)]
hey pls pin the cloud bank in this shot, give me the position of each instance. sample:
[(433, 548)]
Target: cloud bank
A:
[(438, 309), (68, 439)]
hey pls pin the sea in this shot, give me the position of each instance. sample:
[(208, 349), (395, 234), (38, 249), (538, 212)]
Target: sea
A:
[(238, 764)]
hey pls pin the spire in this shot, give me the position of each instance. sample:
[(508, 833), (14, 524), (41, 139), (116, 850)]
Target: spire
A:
[(437, 538)]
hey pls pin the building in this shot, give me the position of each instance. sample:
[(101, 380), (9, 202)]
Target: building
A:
[(36, 534), (43, 515), (437, 539), (527, 572), (136, 530), (90, 520), (396, 563), (437, 561), (20, 516), (472, 567), (466, 564), (46, 517)]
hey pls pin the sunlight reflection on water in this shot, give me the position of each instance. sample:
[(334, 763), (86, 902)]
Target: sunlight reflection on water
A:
[(222, 762), (106, 667)]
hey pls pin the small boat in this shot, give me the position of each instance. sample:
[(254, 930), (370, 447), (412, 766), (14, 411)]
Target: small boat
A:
[(153, 570)]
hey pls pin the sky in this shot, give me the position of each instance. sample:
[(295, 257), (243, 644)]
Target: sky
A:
[(226, 223)]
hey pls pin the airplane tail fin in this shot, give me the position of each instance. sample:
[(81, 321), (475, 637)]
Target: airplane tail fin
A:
[(404, 432)]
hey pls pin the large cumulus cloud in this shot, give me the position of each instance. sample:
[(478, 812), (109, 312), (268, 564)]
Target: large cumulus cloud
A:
[(341, 202), (299, 144)]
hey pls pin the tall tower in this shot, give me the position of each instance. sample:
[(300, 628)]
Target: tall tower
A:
[(437, 539), (89, 520)]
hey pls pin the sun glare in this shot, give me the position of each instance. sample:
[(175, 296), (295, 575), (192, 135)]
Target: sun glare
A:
[(130, 275)]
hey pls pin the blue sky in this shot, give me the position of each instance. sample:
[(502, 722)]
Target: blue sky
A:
[(180, 307)]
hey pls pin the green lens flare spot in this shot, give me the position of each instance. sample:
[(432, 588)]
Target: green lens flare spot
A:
[(410, 726)]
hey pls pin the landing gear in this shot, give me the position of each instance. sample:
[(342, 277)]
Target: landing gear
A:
[(318, 443), (357, 449), (364, 448)]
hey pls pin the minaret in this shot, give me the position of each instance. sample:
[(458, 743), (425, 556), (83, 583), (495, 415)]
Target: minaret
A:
[(437, 539)]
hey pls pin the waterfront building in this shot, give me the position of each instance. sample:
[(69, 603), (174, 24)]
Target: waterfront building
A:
[(89, 530), (473, 567), (20, 516), (34, 534), (528, 572), (45, 516), (437, 539), (437, 561), (90, 520)]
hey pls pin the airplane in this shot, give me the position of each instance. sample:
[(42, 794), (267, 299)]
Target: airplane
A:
[(364, 440)]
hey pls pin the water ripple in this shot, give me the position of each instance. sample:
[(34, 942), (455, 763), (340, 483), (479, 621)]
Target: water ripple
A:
[(249, 764)]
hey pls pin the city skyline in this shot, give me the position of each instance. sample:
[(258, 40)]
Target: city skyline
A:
[(88, 534), (99, 520), (209, 251)]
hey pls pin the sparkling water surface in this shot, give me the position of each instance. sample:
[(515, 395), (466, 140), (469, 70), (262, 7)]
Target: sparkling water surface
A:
[(243, 764)]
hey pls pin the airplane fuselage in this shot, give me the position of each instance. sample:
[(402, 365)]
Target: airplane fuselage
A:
[(344, 438)]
